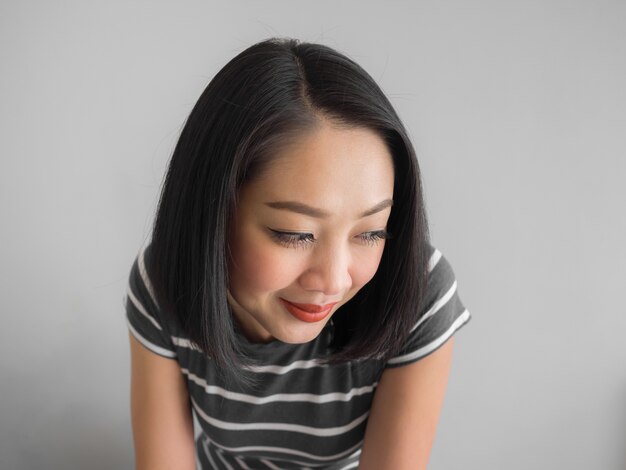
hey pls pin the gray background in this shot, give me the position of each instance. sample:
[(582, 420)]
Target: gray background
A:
[(517, 110)]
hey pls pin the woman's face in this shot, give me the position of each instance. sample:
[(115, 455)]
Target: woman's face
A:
[(309, 232)]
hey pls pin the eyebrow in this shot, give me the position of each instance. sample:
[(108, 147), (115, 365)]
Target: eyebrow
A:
[(300, 208)]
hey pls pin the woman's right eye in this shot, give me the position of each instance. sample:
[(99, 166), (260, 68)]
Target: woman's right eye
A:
[(292, 239)]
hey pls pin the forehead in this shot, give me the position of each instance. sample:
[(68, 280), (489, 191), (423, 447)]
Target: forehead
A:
[(335, 168)]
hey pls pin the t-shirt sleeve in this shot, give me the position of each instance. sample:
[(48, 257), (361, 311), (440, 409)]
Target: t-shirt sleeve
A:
[(442, 314), (144, 318)]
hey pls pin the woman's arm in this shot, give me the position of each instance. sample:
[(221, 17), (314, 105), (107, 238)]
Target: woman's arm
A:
[(405, 411), (161, 413)]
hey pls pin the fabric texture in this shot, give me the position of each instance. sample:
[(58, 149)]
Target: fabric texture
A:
[(300, 413)]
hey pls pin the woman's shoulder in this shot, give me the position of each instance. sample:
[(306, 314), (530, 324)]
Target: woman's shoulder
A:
[(440, 271), (441, 313), (146, 320)]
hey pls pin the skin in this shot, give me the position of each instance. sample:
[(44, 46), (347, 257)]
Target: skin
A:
[(405, 412), (343, 173), (317, 257), (161, 413)]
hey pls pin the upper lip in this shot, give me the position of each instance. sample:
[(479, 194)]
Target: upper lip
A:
[(312, 308)]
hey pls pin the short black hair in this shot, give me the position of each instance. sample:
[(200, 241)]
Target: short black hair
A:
[(271, 92)]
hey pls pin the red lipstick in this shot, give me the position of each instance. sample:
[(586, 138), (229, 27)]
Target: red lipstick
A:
[(309, 313)]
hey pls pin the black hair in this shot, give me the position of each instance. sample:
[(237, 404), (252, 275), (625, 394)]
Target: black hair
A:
[(269, 93)]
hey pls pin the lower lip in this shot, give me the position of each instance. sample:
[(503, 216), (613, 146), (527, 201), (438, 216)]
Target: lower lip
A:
[(305, 316)]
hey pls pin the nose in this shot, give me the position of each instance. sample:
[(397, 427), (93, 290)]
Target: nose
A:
[(328, 271)]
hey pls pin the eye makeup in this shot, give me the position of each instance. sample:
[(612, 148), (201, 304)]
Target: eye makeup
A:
[(292, 239), (375, 237), (301, 239)]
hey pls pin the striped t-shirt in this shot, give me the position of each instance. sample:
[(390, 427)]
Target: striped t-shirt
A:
[(300, 413)]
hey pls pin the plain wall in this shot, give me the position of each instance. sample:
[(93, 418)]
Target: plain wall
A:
[(517, 111)]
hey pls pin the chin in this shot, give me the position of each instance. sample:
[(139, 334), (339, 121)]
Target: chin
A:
[(305, 335)]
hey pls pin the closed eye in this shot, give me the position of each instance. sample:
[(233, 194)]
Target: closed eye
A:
[(292, 239), (301, 239), (375, 237)]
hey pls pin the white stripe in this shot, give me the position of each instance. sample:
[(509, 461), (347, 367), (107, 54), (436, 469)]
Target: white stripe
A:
[(219, 453), (268, 369), (151, 346), (310, 465), (351, 456), (269, 464), (434, 344), (184, 343), (138, 305), (351, 465), (279, 397), (434, 259), (436, 306), (207, 452), (281, 450), (310, 364), (145, 277), (242, 463), (295, 462), (288, 427)]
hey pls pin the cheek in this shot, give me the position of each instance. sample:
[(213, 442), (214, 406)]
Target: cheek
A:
[(365, 269), (259, 268)]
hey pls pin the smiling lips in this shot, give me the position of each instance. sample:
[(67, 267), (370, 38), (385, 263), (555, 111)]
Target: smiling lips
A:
[(309, 313)]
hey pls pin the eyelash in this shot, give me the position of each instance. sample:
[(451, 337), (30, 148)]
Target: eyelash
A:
[(300, 239)]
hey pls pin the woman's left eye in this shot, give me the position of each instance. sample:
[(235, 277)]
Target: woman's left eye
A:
[(374, 238)]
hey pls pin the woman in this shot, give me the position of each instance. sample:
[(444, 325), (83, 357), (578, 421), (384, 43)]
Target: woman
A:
[(289, 296)]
